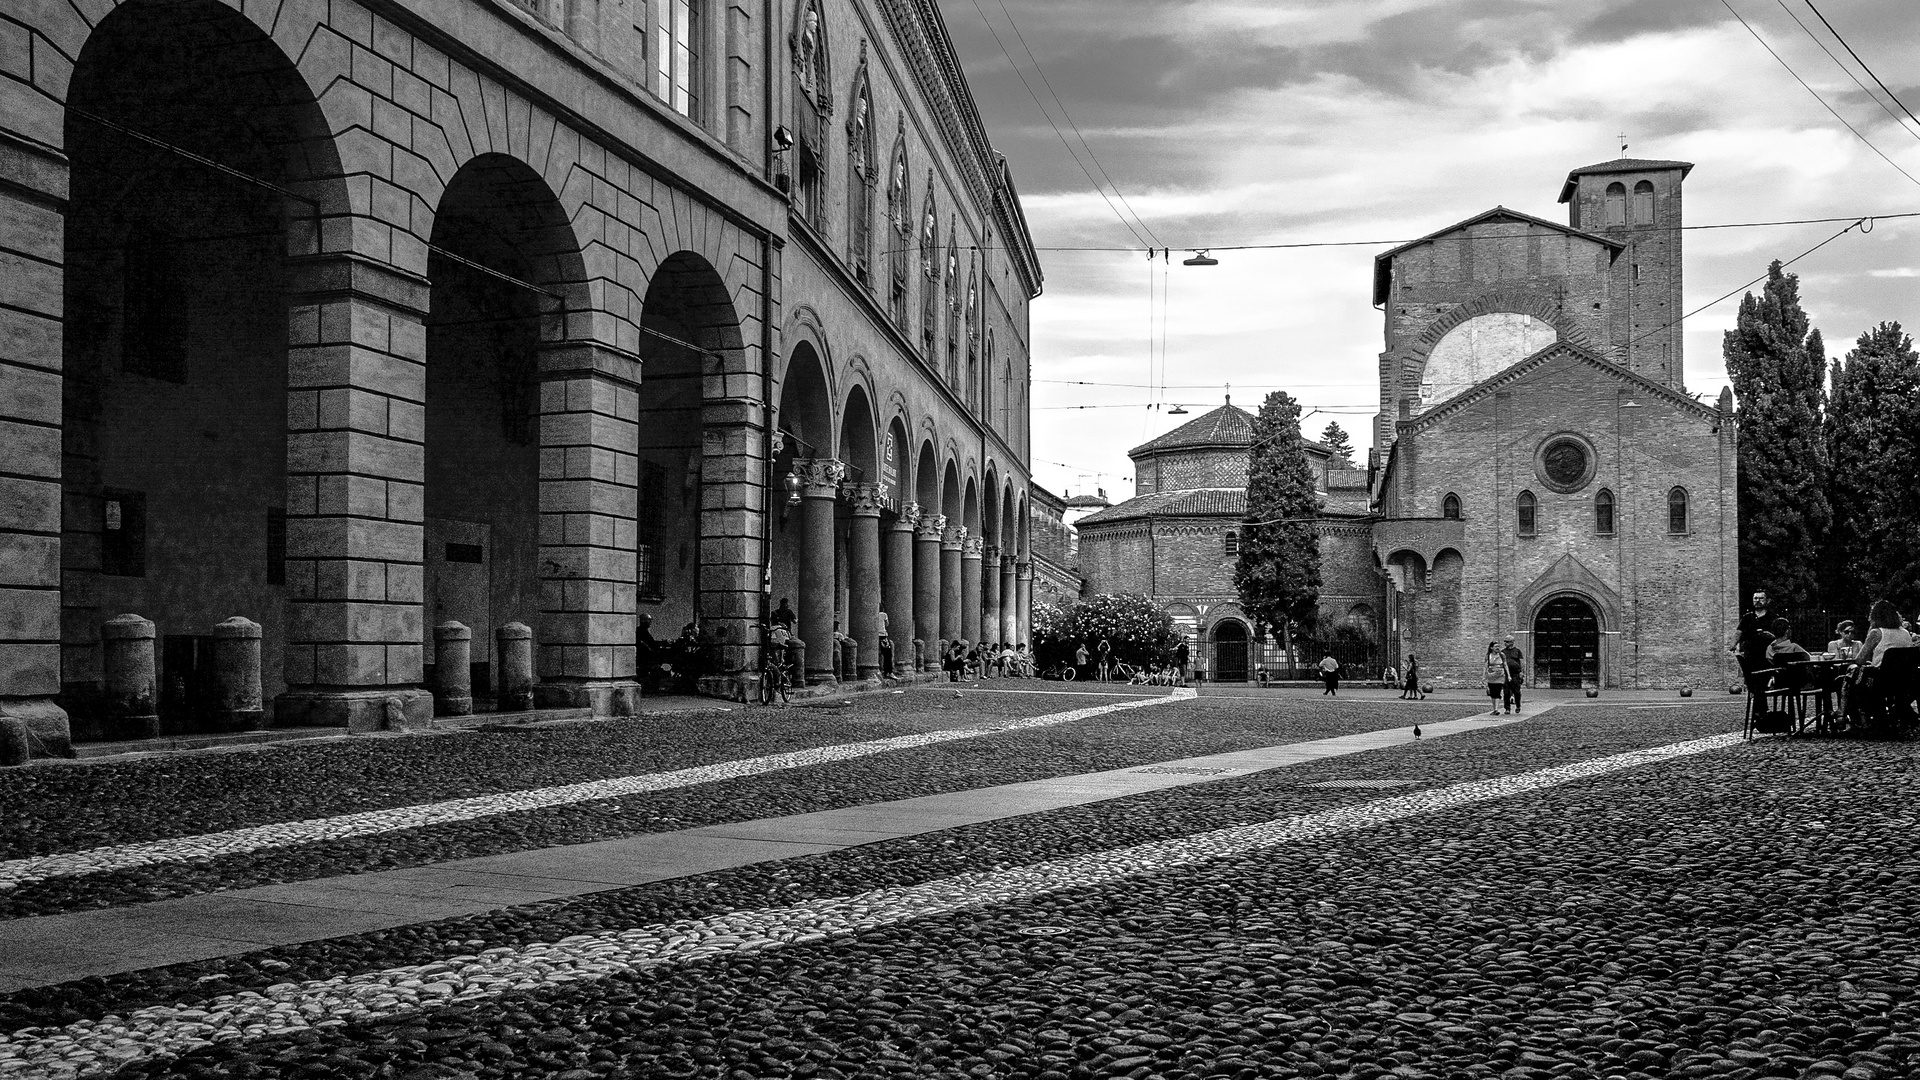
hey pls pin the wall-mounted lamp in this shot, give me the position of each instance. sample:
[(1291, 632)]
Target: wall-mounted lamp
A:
[(782, 139), (793, 489)]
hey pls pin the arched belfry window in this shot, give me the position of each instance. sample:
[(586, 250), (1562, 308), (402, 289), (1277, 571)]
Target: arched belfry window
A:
[(862, 176), (1603, 512), (930, 275), (1643, 203), (899, 238), (953, 305), (812, 104), (1450, 507), (1527, 511), (1677, 510), (1616, 204), (678, 60)]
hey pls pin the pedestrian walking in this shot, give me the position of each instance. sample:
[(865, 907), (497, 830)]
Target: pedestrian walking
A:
[(1181, 657), (1330, 675), (1496, 675), (1410, 690), (1510, 701)]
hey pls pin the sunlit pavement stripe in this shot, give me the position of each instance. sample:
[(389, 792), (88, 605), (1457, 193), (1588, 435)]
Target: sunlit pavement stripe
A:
[(92, 1046), (17, 872)]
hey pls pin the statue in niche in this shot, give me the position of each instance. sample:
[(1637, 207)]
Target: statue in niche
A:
[(807, 49)]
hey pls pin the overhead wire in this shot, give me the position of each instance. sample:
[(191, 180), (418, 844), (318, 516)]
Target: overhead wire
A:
[(1723, 296), (1815, 38), (1863, 64), (1816, 94)]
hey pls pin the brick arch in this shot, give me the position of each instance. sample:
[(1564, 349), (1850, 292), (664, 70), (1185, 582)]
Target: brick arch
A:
[(1516, 301)]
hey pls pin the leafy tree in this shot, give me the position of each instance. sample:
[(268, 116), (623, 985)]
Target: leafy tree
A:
[(1873, 449), (1335, 439), (1138, 631), (1278, 574), (1778, 369)]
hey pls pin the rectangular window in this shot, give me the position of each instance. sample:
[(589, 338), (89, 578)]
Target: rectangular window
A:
[(650, 565), (153, 330), (123, 534), (276, 545), (676, 55)]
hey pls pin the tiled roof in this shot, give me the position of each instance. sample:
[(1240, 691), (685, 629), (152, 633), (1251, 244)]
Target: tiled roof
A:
[(1620, 165), (1078, 501), (1227, 425), (1199, 502)]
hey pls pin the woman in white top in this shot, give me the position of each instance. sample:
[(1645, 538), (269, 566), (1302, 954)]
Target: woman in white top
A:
[(1884, 633)]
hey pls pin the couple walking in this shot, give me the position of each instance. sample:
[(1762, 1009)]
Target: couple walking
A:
[(1503, 675)]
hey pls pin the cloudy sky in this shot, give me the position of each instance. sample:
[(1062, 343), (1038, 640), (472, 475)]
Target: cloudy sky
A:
[(1277, 121)]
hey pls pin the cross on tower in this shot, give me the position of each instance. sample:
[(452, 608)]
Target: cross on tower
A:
[(1623, 144)]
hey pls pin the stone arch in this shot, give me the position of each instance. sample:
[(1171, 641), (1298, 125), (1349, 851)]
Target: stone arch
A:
[(177, 353), (806, 402), (1497, 301), (859, 442), (952, 497), (896, 461)]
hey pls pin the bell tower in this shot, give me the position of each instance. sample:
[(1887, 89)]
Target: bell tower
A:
[(1637, 201)]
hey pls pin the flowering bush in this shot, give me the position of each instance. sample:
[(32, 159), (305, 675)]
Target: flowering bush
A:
[(1136, 629)]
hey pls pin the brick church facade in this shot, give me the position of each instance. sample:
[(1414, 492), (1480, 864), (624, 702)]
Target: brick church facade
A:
[(324, 323), (1539, 467)]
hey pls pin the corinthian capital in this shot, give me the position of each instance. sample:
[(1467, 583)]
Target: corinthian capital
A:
[(970, 546), (910, 516), (819, 477), (865, 499)]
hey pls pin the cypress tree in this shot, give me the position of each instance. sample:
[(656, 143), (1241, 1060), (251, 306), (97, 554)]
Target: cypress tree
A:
[(1778, 369), (1873, 450), (1335, 439), (1278, 574)]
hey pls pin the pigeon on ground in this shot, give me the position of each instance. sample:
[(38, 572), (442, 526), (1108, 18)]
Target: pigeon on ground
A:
[(1416, 731)]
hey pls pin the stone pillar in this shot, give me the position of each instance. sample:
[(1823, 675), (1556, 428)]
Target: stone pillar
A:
[(863, 567), (452, 670), (926, 587), (950, 545), (356, 472), (990, 595), (1023, 602), (127, 673), (1009, 602), (819, 491), (898, 590), (733, 513), (589, 493), (970, 590), (33, 194), (513, 667), (236, 675)]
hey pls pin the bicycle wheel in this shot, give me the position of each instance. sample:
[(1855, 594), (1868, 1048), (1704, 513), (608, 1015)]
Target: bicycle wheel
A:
[(1068, 674)]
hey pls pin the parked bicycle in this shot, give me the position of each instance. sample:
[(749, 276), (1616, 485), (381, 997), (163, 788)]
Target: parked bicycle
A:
[(1062, 672), (776, 678)]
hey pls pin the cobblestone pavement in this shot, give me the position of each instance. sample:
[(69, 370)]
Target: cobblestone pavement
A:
[(1611, 890)]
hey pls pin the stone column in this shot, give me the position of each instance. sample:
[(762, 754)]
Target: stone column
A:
[(452, 670), (513, 666), (1009, 602), (819, 491), (950, 545), (126, 666), (1023, 602), (970, 590), (32, 249), (356, 473), (990, 594), (898, 589), (926, 586), (236, 675), (863, 567), (589, 493)]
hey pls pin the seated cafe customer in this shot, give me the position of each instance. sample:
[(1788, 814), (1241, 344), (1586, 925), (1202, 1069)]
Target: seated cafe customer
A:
[(1844, 646), (1782, 649), (1883, 632)]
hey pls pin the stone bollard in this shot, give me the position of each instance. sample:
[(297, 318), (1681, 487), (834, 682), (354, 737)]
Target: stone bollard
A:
[(514, 659), (452, 670), (126, 661), (236, 675), (920, 655), (796, 662), (849, 655), (15, 746)]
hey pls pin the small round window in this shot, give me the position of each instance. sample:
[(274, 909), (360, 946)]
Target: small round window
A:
[(1565, 463)]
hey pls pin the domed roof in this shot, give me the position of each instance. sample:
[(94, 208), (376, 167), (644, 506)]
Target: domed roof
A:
[(1226, 426)]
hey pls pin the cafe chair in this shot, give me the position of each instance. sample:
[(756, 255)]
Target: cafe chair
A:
[(1765, 716), (1891, 714)]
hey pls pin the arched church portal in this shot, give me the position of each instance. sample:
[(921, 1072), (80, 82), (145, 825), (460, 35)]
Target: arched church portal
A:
[(1230, 651), (1566, 644)]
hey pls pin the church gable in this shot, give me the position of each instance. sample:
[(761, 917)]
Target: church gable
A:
[(1566, 373)]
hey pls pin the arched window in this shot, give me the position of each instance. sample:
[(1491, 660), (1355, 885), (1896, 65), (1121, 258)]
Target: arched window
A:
[(1677, 510), (1450, 507), (1231, 539), (812, 101), (973, 340), (1616, 204), (862, 178), (929, 274), (1006, 401), (900, 237), (1603, 512), (953, 306), (1643, 203), (1527, 508), (677, 60), (986, 381)]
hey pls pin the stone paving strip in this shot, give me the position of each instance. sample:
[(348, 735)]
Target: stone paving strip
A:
[(16, 872), (91, 1047), (52, 949)]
